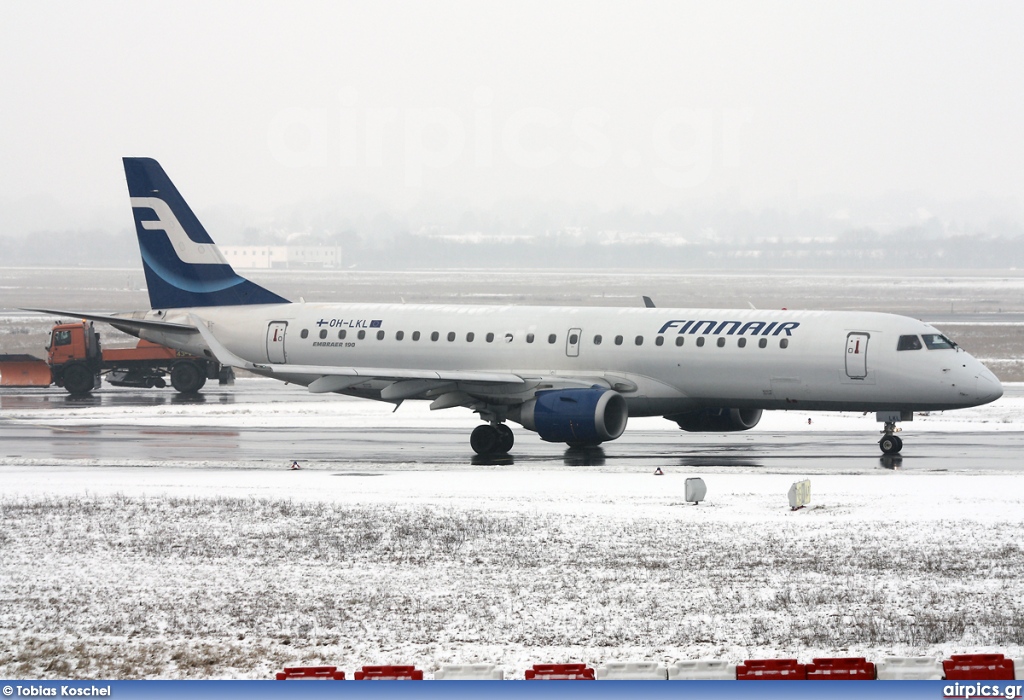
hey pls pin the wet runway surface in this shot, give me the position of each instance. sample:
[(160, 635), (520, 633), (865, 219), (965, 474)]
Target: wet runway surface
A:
[(34, 426)]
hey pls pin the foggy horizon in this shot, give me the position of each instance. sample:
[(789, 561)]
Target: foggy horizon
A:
[(454, 117)]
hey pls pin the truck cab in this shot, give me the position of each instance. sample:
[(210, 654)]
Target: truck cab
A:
[(77, 363)]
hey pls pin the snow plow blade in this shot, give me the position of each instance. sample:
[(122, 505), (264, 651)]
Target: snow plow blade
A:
[(24, 370)]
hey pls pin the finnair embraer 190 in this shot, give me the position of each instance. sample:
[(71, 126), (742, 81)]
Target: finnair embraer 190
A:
[(573, 375)]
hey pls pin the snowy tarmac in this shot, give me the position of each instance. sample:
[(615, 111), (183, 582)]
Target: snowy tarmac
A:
[(264, 424)]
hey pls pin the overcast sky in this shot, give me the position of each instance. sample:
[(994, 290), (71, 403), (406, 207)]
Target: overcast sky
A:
[(640, 105)]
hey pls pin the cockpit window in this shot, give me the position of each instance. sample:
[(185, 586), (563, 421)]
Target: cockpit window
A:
[(935, 341), (909, 342)]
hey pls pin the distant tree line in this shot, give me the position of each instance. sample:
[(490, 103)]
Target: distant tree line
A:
[(401, 249)]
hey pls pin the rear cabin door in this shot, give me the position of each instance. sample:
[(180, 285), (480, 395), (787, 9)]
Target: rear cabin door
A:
[(572, 342), (275, 342), (857, 355)]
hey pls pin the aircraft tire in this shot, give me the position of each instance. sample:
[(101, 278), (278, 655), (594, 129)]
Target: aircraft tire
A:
[(891, 445), (187, 378), (484, 440), (506, 438)]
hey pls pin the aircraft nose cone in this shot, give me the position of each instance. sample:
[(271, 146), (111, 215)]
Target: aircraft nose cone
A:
[(989, 387)]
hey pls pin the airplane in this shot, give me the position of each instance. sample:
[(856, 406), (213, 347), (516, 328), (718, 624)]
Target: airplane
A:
[(572, 375)]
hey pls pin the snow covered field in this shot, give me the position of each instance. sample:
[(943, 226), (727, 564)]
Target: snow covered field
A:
[(120, 570)]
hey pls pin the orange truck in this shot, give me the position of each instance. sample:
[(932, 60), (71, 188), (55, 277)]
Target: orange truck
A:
[(76, 362)]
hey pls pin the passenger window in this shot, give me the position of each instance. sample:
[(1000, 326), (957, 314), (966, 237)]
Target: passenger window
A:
[(639, 340), (323, 334), (451, 336), (529, 337), (700, 341), (573, 339), (342, 334), (415, 335), (742, 343), (380, 335), (434, 336), (490, 337), (552, 338), (508, 337), (469, 337), (679, 341), (784, 343), (659, 341), (909, 342), (597, 340), (721, 342), (400, 335), (762, 343), (304, 334), (938, 342), (618, 340), (362, 334)]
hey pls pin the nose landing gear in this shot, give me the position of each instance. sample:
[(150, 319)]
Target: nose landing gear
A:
[(891, 443)]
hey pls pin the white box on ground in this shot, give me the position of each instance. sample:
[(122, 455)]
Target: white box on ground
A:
[(800, 494), (702, 670), (909, 668), (631, 671), (470, 672), (695, 490)]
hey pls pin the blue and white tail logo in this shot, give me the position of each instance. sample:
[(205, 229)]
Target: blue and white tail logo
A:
[(184, 267)]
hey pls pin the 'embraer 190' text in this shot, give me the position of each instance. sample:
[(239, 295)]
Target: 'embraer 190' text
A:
[(730, 327)]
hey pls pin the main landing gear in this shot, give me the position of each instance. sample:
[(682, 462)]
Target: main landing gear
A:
[(492, 438)]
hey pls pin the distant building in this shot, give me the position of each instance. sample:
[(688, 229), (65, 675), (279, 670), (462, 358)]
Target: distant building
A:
[(281, 256)]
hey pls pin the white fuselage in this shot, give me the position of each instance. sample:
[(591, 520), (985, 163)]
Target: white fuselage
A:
[(810, 360)]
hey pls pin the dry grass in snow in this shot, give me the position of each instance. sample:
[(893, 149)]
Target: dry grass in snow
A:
[(125, 586)]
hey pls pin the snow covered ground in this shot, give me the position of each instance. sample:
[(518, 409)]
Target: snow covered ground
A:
[(117, 570)]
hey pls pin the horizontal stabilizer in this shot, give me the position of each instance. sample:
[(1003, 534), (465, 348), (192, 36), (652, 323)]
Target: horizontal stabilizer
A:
[(120, 322)]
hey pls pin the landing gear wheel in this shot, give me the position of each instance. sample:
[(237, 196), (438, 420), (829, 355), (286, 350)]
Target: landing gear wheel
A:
[(891, 445), (484, 439), (79, 380), (187, 378), (506, 438)]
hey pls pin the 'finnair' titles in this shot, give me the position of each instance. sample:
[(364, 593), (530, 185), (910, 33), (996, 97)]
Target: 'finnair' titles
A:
[(572, 375), (731, 327)]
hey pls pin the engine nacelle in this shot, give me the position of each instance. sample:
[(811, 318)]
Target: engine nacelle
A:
[(717, 420), (575, 416)]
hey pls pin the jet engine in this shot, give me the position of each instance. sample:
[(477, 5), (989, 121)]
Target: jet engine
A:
[(575, 416), (717, 420)]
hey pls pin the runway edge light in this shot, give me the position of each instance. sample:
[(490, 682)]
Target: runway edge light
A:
[(695, 490), (799, 494)]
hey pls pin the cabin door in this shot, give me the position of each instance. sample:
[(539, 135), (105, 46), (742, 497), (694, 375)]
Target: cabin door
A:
[(275, 342), (857, 355), (572, 342)]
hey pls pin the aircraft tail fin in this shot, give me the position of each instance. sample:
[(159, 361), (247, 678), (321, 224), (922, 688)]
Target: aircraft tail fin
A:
[(184, 267)]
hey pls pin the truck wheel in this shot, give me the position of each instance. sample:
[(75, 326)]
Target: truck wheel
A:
[(187, 378), (79, 379)]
